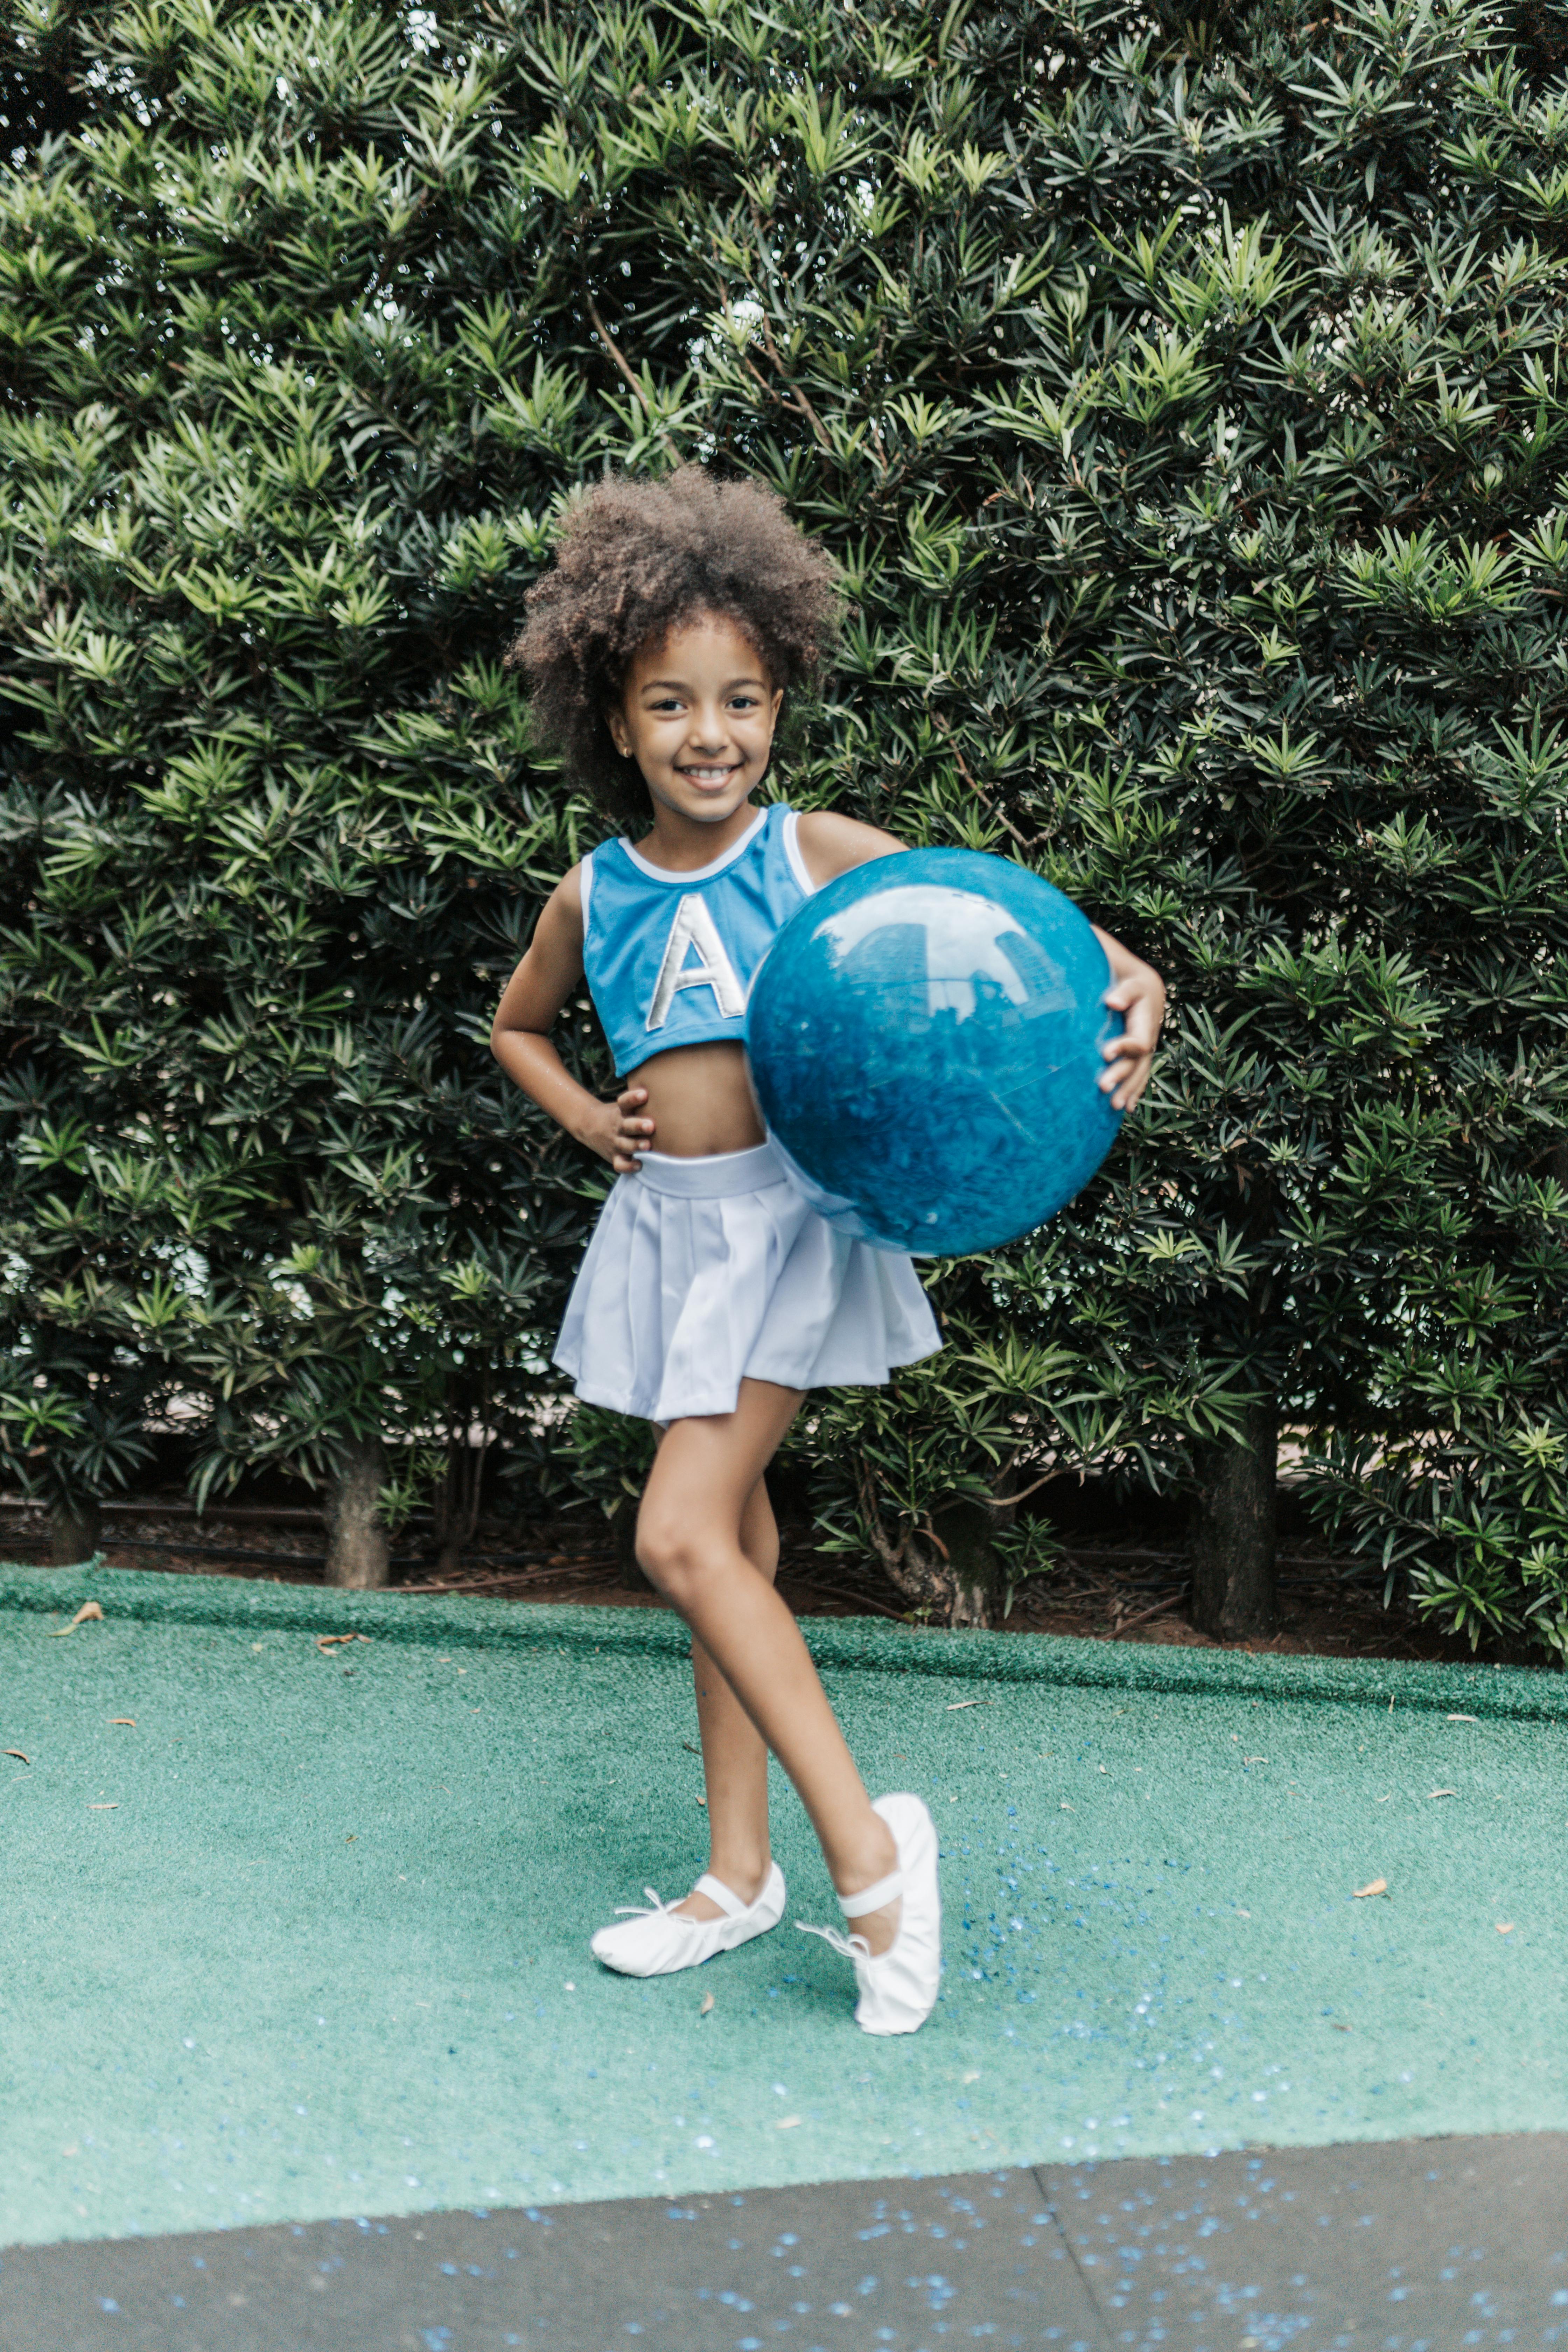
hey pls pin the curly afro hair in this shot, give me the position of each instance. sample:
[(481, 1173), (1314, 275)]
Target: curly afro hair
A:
[(636, 560)]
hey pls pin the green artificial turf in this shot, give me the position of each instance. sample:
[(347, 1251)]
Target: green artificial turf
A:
[(321, 1948)]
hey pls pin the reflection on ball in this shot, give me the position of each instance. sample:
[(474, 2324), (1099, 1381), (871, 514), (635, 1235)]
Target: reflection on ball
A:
[(924, 1038)]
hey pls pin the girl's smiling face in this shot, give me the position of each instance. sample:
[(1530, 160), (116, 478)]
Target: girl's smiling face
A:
[(697, 714)]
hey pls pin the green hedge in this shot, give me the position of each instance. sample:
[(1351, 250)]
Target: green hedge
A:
[(1183, 396)]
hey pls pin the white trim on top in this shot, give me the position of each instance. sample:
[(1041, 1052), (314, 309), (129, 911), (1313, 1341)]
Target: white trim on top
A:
[(585, 886), (684, 879), (797, 865)]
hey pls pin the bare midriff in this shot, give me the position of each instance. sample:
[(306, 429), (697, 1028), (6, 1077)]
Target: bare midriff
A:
[(699, 1100)]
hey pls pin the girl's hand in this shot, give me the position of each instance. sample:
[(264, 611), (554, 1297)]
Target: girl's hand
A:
[(1140, 994), (617, 1134)]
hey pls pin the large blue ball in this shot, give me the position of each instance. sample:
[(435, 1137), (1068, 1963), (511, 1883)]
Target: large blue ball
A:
[(924, 1038)]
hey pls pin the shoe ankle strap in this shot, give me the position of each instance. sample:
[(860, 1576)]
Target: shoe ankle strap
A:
[(872, 1898), (715, 1891)]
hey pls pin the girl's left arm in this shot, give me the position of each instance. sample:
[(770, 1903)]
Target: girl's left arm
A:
[(831, 844)]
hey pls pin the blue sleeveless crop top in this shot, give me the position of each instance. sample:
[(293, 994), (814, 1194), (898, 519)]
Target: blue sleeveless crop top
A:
[(670, 958)]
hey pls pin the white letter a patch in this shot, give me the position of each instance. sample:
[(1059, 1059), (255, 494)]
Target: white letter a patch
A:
[(694, 927)]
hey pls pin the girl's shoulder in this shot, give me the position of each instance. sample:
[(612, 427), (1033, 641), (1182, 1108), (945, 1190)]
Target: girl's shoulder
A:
[(830, 845), (562, 911)]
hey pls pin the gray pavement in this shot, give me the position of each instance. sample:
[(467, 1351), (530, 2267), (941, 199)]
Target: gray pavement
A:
[(1399, 2246)]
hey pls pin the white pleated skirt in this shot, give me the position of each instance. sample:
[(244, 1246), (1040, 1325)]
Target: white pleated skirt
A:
[(704, 1272)]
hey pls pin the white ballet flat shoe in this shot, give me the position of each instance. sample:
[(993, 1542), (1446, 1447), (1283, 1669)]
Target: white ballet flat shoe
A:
[(656, 1943), (898, 1987)]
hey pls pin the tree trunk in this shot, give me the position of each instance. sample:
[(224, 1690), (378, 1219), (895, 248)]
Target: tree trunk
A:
[(74, 1529), (358, 1553), (952, 1579), (947, 1570), (457, 1502), (1233, 1566), (967, 1530)]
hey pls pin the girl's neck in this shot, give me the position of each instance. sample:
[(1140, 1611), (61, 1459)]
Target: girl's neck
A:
[(684, 844)]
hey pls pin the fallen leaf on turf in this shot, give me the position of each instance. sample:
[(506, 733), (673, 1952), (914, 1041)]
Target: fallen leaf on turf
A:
[(702, 1800), (128, 1720), (84, 1615), (1440, 1792), (1339, 2029), (105, 1809), (690, 1748), (1255, 1760), (1458, 1718), (334, 1641), (1505, 1927), (951, 1710), (786, 2123), (17, 1754), (1374, 1886), (706, 2004)]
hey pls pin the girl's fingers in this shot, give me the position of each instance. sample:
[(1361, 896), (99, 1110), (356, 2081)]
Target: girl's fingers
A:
[(1122, 1075), (1144, 1007), (1129, 1057)]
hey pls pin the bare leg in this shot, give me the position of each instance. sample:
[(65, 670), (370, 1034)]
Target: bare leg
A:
[(734, 1760), (689, 1542)]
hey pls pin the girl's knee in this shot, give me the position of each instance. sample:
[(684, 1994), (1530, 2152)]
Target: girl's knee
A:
[(664, 1551)]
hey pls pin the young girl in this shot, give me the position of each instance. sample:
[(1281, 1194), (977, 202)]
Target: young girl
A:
[(661, 650)]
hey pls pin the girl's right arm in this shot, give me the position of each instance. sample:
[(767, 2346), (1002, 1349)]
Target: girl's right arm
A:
[(519, 1037)]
